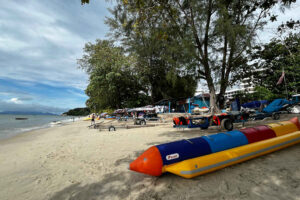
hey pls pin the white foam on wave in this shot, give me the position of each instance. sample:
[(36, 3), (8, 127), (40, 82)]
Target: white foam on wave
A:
[(64, 121), (16, 131), (73, 119), (11, 131), (54, 123)]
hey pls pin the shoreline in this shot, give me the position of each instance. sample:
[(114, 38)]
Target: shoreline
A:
[(47, 125), (75, 162), (29, 133)]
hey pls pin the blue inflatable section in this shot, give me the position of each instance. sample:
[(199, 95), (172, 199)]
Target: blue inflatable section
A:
[(184, 149), (223, 141)]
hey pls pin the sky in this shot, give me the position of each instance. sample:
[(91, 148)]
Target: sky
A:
[(40, 42)]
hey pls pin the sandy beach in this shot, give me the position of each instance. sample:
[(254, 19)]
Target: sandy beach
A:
[(75, 162)]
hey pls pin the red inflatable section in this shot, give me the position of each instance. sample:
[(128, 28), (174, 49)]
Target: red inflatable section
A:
[(258, 133), (295, 121)]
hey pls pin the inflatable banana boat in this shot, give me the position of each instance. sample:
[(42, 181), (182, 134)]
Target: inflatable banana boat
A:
[(192, 157)]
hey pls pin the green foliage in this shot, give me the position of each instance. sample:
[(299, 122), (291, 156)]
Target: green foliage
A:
[(176, 43), (113, 82), (259, 93), (270, 60), (108, 110), (262, 93), (206, 39), (162, 62), (288, 26), (78, 112), (244, 97)]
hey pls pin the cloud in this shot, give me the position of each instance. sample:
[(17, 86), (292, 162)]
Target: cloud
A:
[(284, 14), (26, 92), (13, 90), (10, 44), (12, 106), (15, 101), (41, 40), (20, 100)]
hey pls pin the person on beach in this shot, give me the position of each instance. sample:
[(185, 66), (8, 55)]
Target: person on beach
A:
[(93, 119)]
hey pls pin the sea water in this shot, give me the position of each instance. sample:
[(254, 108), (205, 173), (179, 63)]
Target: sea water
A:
[(10, 126)]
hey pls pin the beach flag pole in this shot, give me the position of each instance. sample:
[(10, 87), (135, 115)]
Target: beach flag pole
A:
[(285, 84), (282, 78)]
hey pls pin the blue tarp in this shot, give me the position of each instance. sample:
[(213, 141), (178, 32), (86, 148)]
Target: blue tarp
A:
[(236, 106), (276, 105), (254, 104)]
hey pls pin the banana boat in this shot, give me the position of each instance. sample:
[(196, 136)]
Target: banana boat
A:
[(193, 157)]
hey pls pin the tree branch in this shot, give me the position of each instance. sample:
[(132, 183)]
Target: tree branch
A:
[(206, 31), (191, 21), (250, 35)]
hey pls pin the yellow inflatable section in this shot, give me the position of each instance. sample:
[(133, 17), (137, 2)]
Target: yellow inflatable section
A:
[(282, 128), (204, 164)]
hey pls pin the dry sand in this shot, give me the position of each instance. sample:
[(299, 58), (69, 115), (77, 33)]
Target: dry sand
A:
[(74, 162)]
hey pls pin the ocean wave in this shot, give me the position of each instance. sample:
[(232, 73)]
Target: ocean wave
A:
[(8, 133), (9, 127)]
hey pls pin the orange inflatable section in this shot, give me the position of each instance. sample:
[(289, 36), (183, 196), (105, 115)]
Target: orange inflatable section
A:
[(149, 162)]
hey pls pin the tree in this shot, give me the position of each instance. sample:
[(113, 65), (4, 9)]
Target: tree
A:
[(271, 59), (118, 80), (113, 82), (78, 112), (219, 32), (259, 93), (85, 1), (161, 60)]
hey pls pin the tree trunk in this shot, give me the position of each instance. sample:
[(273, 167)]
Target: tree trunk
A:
[(221, 101), (213, 101), (213, 97), (221, 98)]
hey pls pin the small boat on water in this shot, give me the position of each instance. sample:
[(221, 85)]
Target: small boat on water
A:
[(21, 118)]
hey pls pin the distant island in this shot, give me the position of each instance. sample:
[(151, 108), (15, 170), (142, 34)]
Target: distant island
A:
[(26, 113), (78, 112)]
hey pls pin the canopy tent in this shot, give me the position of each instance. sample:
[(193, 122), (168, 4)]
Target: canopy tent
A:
[(103, 114), (121, 111), (142, 109)]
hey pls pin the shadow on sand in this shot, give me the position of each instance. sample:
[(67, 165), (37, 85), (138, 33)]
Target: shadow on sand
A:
[(117, 185), (267, 177), (273, 176)]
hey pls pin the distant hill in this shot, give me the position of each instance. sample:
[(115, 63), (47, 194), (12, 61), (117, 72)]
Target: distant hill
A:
[(78, 112), (26, 113)]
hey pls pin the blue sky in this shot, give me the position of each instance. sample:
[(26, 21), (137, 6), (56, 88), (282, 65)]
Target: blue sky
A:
[(40, 42)]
